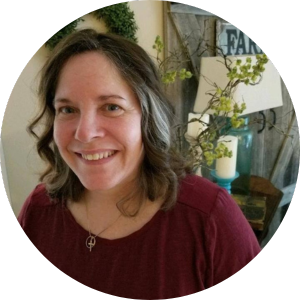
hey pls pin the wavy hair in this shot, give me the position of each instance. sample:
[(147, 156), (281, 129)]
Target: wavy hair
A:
[(162, 167)]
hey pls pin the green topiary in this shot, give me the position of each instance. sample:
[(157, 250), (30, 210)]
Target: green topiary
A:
[(118, 18)]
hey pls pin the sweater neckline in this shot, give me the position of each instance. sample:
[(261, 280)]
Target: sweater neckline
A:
[(83, 232)]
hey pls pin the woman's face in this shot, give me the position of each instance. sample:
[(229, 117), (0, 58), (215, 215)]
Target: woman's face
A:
[(97, 127)]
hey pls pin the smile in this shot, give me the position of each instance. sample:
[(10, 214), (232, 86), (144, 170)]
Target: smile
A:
[(97, 156)]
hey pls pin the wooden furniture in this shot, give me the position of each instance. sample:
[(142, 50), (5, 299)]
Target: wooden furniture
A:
[(263, 187)]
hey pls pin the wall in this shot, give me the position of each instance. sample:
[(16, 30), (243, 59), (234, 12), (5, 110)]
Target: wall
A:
[(3, 169), (20, 164)]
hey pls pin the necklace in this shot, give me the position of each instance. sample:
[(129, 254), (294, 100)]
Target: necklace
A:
[(91, 239)]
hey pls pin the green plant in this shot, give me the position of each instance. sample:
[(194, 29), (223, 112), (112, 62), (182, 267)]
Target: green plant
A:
[(118, 18), (170, 67), (204, 149), (223, 105), (222, 99)]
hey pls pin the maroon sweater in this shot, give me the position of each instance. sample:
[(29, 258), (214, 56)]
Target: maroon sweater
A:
[(202, 241)]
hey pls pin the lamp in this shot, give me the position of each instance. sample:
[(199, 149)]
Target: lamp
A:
[(266, 94)]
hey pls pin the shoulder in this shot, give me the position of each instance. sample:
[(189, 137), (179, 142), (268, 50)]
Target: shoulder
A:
[(209, 200), (200, 194), (218, 225), (35, 207), (38, 198)]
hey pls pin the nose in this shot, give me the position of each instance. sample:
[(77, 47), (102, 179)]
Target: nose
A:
[(89, 127)]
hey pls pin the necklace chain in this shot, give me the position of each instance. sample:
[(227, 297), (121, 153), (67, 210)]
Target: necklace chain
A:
[(91, 239)]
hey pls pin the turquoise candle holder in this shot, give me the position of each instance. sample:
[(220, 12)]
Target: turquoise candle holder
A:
[(224, 182)]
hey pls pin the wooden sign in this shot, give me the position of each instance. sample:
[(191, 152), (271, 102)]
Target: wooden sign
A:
[(233, 41)]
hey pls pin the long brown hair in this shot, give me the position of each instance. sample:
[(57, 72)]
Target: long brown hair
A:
[(162, 166)]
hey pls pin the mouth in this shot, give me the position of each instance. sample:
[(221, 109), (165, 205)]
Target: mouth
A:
[(97, 156)]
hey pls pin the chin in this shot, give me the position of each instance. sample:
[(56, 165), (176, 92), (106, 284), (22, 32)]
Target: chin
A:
[(113, 181)]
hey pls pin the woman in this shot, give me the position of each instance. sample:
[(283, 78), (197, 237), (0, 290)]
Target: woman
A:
[(117, 209)]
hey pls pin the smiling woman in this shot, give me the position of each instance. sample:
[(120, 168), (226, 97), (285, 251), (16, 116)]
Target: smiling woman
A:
[(107, 77), (117, 208)]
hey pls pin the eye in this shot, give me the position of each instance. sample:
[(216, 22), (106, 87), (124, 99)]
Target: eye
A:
[(112, 107), (66, 110), (112, 110)]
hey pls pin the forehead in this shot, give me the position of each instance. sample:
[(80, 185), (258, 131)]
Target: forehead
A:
[(91, 75), (90, 69), (88, 62)]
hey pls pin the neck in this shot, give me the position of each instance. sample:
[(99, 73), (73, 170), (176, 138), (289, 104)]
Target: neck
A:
[(108, 200)]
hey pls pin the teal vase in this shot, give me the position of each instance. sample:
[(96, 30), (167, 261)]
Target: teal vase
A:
[(241, 185)]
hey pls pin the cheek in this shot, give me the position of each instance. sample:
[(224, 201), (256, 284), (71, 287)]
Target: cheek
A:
[(132, 133), (60, 134), (56, 134)]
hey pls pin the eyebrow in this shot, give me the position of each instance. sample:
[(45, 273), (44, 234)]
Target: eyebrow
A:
[(101, 98), (106, 97)]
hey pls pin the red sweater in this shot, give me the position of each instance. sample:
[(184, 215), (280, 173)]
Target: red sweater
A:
[(202, 241)]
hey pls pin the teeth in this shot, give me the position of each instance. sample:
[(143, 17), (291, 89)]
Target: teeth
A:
[(97, 156)]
